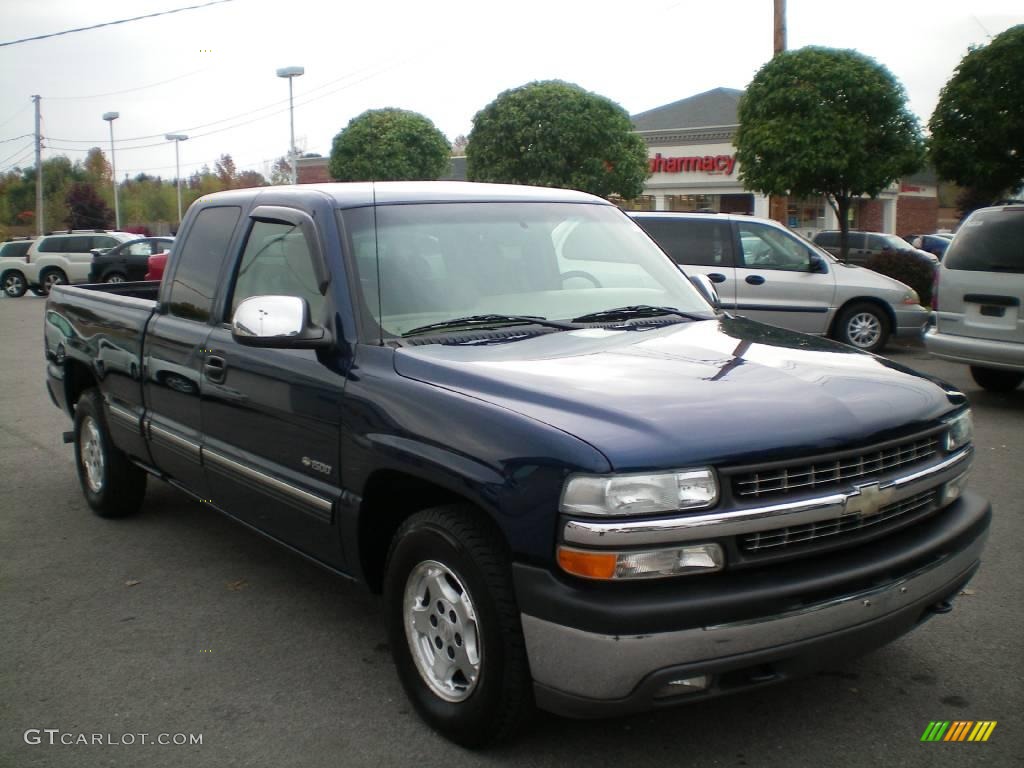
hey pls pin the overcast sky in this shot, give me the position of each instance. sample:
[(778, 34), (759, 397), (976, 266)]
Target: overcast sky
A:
[(212, 70)]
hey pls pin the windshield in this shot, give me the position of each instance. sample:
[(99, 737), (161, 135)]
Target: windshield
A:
[(431, 263)]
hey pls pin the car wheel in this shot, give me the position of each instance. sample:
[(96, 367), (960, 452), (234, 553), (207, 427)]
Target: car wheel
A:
[(115, 277), (996, 380), (454, 626), (113, 486), (14, 284), (864, 326), (50, 278)]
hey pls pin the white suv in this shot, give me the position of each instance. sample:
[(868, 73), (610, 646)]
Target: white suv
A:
[(978, 317), (67, 257)]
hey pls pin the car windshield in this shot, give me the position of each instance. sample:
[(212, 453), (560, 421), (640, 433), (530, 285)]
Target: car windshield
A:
[(433, 263)]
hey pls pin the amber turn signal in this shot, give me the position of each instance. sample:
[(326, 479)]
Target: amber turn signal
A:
[(590, 565)]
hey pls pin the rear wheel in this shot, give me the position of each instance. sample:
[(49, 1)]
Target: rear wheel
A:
[(115, 277), (996, 380), (13, 284), (113, 486), (454, 626), (864, 326), (49, 278)]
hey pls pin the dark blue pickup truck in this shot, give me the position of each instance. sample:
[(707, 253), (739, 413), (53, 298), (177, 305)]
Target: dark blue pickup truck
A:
[(576, 482)]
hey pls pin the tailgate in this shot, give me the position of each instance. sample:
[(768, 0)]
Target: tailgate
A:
[(982, 305)]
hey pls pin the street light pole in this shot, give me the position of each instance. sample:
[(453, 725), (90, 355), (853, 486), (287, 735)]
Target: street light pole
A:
[(110, 117), (291, 73), (177, 138)]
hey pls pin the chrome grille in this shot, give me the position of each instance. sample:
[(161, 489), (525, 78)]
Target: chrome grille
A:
[(801, 477), (889, 516)]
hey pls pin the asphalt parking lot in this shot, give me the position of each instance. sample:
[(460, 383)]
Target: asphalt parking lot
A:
[(179, 621)]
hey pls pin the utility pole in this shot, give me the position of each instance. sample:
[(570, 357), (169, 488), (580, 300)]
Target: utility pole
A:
[(780, 26), (39, 172)]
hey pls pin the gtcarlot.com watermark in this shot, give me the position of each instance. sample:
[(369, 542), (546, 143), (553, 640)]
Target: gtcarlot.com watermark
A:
[(55, 736)]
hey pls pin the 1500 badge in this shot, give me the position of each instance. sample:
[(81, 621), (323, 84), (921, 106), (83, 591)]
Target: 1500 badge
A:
[(319, 466)]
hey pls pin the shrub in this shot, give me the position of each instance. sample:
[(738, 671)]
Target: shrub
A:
[(916, 273)]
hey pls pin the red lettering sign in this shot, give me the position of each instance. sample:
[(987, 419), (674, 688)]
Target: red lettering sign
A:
[(714, 164)]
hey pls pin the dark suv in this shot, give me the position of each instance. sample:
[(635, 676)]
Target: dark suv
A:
[(864, 245)]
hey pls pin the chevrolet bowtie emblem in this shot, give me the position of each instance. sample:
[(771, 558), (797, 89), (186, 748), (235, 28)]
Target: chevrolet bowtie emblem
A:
[(868, 500)]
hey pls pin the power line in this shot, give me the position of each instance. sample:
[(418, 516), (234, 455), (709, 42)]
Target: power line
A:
[(127, 90), (29, 146), (18, 163), (111, 23), (23, 136), (16, 114)]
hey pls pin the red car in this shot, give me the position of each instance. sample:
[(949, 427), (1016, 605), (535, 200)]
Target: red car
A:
[(157, 262)]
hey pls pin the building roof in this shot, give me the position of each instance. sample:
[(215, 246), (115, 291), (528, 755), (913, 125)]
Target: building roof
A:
[(711, 108)]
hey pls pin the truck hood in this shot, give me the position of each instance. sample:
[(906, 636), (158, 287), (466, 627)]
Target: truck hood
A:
[(725, 390)]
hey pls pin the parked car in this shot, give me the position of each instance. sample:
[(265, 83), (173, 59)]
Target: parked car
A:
[(864, 245), (935, 244), (128, 261), (765, 272), (576, 483), (155, 266), (66, 257), (13, 258), (978, 317)]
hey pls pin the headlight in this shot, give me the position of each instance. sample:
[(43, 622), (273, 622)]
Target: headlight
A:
[(959, 431), (639, 494)]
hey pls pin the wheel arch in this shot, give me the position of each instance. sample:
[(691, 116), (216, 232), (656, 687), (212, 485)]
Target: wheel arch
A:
[(78, 377), (890, 314)]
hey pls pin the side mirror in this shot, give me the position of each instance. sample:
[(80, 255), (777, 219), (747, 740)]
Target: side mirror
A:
[(280, 322), (707, 289), (818, 264)]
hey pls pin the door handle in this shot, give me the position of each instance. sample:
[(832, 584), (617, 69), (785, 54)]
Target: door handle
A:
[(216, 368), (716, 277), (755, 279)]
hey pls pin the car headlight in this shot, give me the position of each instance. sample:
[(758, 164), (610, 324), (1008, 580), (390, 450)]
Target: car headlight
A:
[(959, 431), (911, 297), (639, 494)]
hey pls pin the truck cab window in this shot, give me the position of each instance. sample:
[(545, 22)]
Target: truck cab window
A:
[(194, 284), (277, 261)]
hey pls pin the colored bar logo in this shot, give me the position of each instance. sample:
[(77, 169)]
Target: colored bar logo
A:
[(959, 730)]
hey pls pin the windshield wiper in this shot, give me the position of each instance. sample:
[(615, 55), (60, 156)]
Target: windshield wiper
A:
[(497, 320), (637, 310)]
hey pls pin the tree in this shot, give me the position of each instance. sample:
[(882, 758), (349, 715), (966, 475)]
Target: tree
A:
[(556, 134), (96, 168), (822, 121), (281, 172), (388, 145), (459, 145), (247, 179), (86, 209), (978, 125), (226, 171)]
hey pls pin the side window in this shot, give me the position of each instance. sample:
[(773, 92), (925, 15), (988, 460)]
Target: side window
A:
[(50, 245), (827, 239), (141, 248), (770, 248), (101, 242), (78, 244), (705, 243), (198, 263), (876, 242), (277, 261)]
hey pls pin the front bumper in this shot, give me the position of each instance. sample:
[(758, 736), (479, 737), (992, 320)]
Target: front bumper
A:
[(910, 320), (986, 353), (596, 652)]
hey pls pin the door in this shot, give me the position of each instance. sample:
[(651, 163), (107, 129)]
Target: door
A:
[(175, 340), (775, 283), (699, 245), (272, 417)]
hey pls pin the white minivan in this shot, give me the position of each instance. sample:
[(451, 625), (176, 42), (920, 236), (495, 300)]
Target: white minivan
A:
[(978, 317), (763, 271)]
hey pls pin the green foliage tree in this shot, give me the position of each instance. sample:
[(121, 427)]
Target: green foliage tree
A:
[(389, 145), (823, 121), (556, 134), (978, 125), (86, 209)]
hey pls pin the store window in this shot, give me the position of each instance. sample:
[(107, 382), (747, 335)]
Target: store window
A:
[(641, 203), (706, 203), (806, 214)]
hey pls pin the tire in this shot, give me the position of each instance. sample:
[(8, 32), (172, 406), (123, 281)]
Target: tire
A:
[(49, 278), (115, 277), (443, 563), (113, 486), (13, 283), (996, 380), (863, 326)]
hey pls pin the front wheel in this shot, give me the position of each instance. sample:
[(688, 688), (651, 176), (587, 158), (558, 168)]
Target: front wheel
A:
[(454, 626), (115, 277), (864, 326), (113, 486), (14, 284), (50, 278), (996, 380)]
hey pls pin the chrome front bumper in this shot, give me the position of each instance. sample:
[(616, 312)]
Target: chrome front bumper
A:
[(574, 667)]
